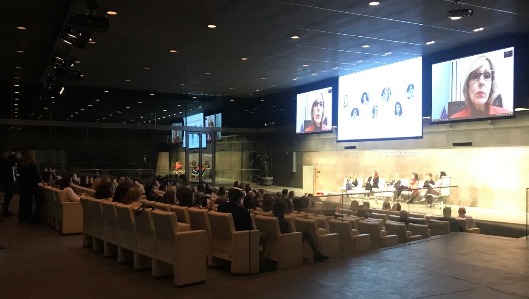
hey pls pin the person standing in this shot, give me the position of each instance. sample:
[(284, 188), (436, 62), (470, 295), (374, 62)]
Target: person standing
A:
[(29, 177), (8, 179)]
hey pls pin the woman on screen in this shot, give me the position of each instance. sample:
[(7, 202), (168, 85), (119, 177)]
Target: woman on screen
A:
[(374, 112), (398, 109), (386, 92), (479, 90), (410, 90), (365, 99), (317, 116), (355, 113), (346, 101)]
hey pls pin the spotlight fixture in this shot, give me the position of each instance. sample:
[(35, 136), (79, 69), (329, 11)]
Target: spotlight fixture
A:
[(457, 12)]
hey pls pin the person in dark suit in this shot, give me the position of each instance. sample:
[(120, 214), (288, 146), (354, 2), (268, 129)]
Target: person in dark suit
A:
[(372, 181), (241, 217), (29, 177)]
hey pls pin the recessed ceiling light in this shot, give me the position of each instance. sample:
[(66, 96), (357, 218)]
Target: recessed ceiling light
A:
[(128, 107), (77, 61), (335, 68), (182, 84), (89, 105), (52, 97), (21, 28), (146, 68), (430, 42), (263, 78), (478, 29), (365, 46), (92, 42), (111, 13), (208, 73), (20, 51), (314, 74), (16, 104), (374, 3), (294, 37), (152, 94), (16, 85), (106, 91), (97, 100), (244, 58), (232, 100), (82, 109), (305, 65), (18, 67), (359, 61), (45, 108), (17, 78), (16, 99), (179, 105), (17, 91), (164, 110), (262, 100), (127, 80), (231, 88), (295, 79), (140, 102), (212, 26), (172, 51)]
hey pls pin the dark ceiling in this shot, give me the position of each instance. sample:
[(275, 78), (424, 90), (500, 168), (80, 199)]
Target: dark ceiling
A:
[(134, 53)]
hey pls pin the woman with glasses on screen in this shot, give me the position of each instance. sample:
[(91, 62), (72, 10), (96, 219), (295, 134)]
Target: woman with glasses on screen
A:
[(479, 90), (317, 116)]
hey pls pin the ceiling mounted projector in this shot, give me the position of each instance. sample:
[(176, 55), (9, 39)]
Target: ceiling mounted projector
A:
[(457, 12)]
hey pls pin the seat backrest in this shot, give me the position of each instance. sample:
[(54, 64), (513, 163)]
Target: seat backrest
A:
[(145, 230), (322, 222), (373, 228), (308, 225), (182, 213), (383, 216), (342, 228), (127, 224), (111, 220), (165, 225), (222, 225), (98, 217), (162, 206), (198, 219), (87, 214), (268, 226), (397, 228)]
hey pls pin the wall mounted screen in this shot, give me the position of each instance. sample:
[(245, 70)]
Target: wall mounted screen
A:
[(196, 120), (473, 87), (381, 103), (314, 111), (212, 121)]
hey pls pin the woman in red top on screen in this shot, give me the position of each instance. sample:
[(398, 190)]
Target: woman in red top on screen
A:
[(479, 91), (317, 116)]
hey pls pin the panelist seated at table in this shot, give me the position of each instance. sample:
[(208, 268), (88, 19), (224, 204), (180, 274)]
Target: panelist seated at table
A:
[(372, 181), (413, 186)]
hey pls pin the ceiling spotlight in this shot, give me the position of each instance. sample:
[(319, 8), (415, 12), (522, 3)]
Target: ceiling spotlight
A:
[(457, 12)]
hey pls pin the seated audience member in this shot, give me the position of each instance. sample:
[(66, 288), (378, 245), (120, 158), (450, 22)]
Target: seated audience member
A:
[(185, 197), (241, 217), (396, 207), (169, 196), (221, 195), (404, 216), (268, 203), (69, 194), (429, 184), (139, 185), (105, 189), (133, 197), (372, 181), (386, 205), (297, 204), (278, 211), (284, 193), (122, 188), (149, 193), (362, 211)]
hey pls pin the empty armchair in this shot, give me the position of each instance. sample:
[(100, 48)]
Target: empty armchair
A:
[(112, 228), (146, 241), (128, 238), (329, 243), (419, 229), (180, 253), (88, 222), (400, 229), (286, 249), (438, 227), (379, 236), (239, 247), (350, 239)]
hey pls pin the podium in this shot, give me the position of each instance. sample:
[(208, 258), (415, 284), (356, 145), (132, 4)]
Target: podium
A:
[(309, 179)]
